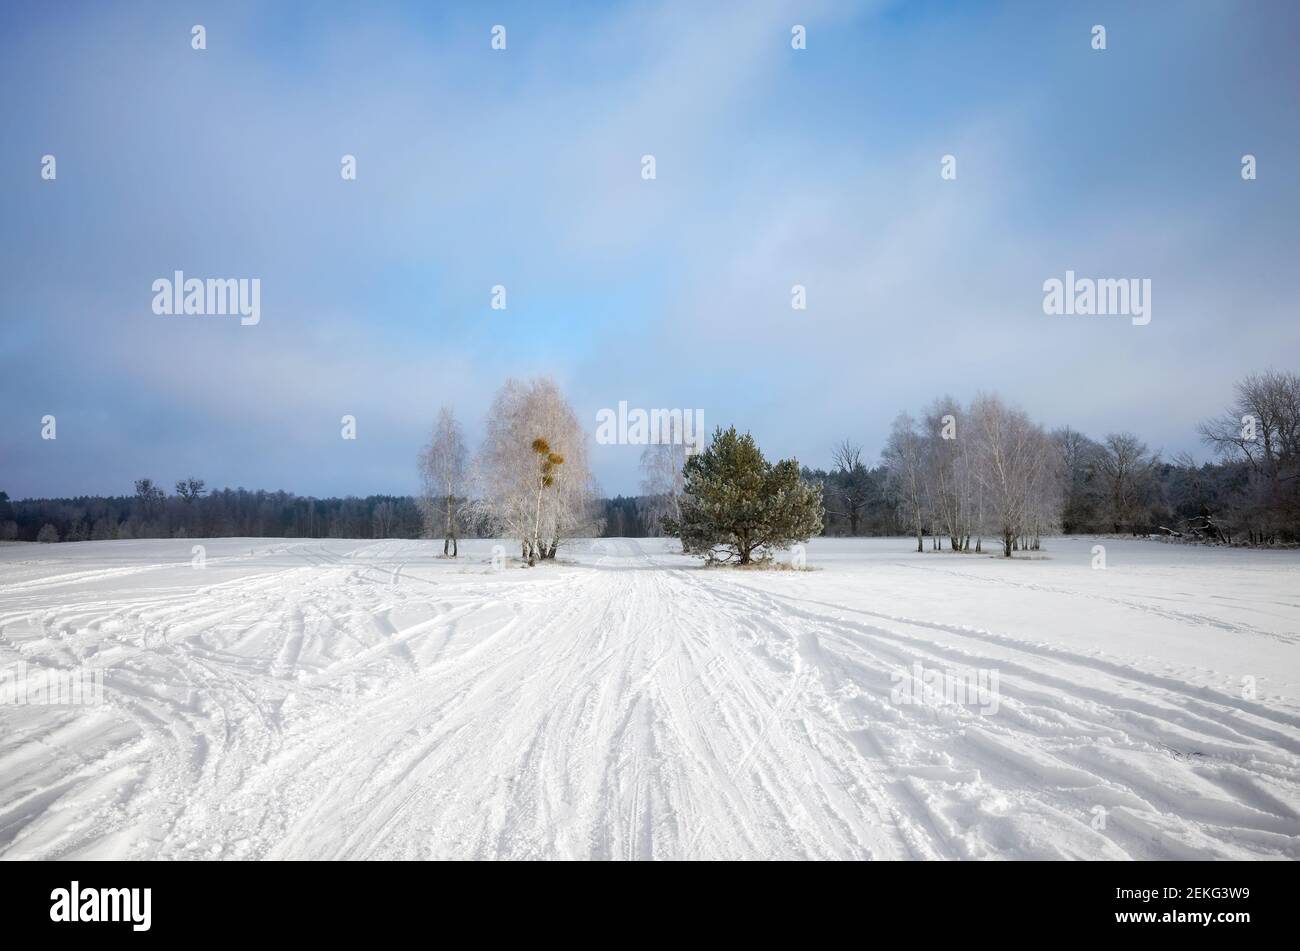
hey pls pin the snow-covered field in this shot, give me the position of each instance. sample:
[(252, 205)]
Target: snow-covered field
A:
[(351, 699)]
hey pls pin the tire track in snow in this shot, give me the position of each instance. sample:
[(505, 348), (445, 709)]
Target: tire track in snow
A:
[(370, 701), (1265, 755)]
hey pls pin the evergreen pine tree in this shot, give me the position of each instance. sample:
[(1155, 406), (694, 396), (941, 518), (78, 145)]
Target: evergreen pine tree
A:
[(740, 507)]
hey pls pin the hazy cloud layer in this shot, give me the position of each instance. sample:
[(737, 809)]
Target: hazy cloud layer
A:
[(775, 167)]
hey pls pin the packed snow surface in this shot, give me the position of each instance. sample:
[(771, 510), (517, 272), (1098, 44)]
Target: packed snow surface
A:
[(355, 699)]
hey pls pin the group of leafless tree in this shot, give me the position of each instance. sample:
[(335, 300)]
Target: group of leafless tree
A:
[(1113, 486), (973, 472), (1250, 495), (1259, 436), (530, 480), (988, 470)]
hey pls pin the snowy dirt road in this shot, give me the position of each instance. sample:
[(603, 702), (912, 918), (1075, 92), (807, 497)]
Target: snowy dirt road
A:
[(352, 699)]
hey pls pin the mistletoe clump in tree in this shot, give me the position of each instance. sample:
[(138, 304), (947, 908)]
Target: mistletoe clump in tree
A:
[(738, 507), (545, 479)]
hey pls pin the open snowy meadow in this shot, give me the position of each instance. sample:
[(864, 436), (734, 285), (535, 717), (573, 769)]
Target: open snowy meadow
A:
[(354, 699)]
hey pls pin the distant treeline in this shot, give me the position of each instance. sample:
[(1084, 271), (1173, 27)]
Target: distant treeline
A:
[(1216, 501), (1180, 497), (149, 513), (956, 471), (240, 513), (1212, 501)]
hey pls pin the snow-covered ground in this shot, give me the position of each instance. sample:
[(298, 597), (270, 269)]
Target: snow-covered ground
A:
[(329, 699)]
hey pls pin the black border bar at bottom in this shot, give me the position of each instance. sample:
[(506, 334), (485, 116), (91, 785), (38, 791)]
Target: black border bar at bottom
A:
[(1219, 901)]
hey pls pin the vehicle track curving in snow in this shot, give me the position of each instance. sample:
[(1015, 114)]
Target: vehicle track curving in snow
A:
[(352, 699)]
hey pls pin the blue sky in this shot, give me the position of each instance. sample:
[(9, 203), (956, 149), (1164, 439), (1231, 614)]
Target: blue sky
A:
[(478, 167)]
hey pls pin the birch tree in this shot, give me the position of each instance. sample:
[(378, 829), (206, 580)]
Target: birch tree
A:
[(1011, 456), (539, 516), (903, 457), (443, 474), (662, 481), (946, 470)]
